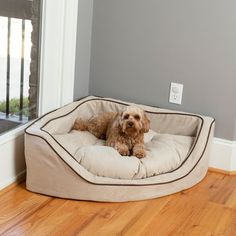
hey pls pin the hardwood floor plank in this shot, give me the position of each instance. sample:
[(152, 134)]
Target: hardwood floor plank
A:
[(227, 223), (83, 218), (112, 222), (215, 188), (17, 205), (135, 227), (218, 219), (231, 201), (223, 189), (208, 208), (174, 215), (47, 219)]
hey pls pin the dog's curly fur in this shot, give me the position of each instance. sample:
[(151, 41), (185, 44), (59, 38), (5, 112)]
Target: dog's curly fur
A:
[(123, 131)]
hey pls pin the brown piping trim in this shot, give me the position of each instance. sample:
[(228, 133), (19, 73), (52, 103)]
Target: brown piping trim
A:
[(126, 105), (121, 103), (104, 184), (107, 100)]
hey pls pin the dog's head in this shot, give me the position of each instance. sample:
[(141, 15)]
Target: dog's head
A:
[(133, 120)]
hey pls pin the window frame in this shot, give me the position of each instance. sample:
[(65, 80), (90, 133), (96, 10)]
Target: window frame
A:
[(57, 58)]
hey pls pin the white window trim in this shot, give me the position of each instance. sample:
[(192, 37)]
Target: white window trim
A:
[(57, 62), (58, 51)]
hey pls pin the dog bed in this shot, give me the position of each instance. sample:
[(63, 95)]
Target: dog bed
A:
[(75, 164)]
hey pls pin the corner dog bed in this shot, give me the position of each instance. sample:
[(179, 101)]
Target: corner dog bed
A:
[(75, 164)]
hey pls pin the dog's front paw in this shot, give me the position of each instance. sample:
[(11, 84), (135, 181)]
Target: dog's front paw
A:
[(122, 149), (139, 153)]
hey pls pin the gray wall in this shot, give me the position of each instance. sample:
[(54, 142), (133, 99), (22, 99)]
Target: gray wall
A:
[(140, 46), (83, 52)]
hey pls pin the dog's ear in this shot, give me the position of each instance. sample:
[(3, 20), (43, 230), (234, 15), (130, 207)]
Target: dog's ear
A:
[(115, 124), (145, 123), (118, 120)]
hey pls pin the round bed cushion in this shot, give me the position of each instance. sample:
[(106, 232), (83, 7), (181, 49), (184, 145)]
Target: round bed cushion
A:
[(164, 153)]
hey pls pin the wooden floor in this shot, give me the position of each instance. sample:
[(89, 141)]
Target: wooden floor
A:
[(206, 209)]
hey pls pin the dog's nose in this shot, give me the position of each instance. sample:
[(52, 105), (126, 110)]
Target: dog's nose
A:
[(130, 124)]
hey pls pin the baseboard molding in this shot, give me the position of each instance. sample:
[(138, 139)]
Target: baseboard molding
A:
[(223, 156), (225, 172), (19, 179), (12, 161), (14, 180)]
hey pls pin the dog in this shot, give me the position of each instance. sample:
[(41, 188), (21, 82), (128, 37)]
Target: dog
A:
[(123, 131)]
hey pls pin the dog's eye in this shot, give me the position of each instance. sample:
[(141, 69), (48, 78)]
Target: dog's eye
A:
[(126, 116), (137, 117)]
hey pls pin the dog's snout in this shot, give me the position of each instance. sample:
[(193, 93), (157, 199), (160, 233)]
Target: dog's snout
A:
[(130, 123)]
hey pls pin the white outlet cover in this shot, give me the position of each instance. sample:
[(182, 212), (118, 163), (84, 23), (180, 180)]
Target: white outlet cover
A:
[(176, 93)]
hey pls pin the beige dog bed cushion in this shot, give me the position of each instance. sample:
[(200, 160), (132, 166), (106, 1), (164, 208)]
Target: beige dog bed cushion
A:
[(73, 164), (165, 152)]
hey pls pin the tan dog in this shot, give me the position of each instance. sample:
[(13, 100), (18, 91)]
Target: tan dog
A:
[(122, 131)]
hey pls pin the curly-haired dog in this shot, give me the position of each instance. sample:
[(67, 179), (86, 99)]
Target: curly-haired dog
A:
[(123, 131)]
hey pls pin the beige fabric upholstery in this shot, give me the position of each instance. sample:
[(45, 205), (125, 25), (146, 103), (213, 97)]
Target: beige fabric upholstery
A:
[(63, 163), (165, 152)]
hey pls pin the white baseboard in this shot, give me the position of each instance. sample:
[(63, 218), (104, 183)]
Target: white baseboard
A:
[(12, 160), (12, 179), (223, 155)]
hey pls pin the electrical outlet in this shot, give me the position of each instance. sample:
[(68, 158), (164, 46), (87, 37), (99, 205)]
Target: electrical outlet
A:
[(176, 92)]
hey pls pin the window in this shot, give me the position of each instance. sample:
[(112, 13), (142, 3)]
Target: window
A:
[(19, 62)]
